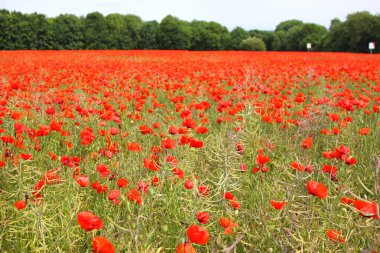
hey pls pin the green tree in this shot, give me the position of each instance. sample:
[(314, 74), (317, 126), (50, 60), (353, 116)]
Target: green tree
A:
[(237, 35), (209, 36), (174, 33), (95, 31), (252, 44), (67, 32), (148, 35), (287, 25)]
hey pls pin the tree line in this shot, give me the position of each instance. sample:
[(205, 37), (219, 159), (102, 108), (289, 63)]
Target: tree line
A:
[(117, 31)]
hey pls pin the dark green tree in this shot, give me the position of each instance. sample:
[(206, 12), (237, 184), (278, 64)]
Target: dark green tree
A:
[(95, 31), (148, 35), (237, 35), (174, 33), (209, 36), (67, 32)]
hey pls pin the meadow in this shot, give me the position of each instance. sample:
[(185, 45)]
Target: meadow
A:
[(178, 151)]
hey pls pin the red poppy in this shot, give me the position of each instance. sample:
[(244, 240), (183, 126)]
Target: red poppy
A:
[(168, 143), (335, 235), (101, 244), (307, 143), (189, 184), (122, 183), (103, 170), (366, 208), (198, 234), (278, 204), (298, 166), (179, 173), (134, 147), (364, 131), (26, 156), (203, 217), (261, 159), (88, 221), (113, 195), (134, 196), (228, 225), (196, 143), (173, 130), (348, 201), (185, 248), (20, 204), (317, 189), (83, 180)]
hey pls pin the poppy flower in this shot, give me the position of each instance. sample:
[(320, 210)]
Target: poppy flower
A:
[(198, 234), (335, 235), (88, 221), (307, 143), (142, 186), (179, 173), (122, 183), (101, 244), (20, 204), (83, 180), (297, 166), (185, 248), (155, 181), (168, 143), (228, 225), (134, 147), (196, 143), (364, 131), (278, 204), (317, 189), (203, 190), (103, 170), (203, 217), (173, 130), (189, 184), (134, 196), (113, 195), (25, 156), (366, 208), (261, 159)]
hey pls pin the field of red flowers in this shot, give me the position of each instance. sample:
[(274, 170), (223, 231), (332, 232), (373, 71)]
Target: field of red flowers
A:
[(176, 151)]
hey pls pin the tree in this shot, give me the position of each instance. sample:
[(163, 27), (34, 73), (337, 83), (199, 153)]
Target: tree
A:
[(287, 25), (362, 28), (148, 35), (174, 34), (252, 44), (237, 35), (209, 36), (95, 31), (67, 32)]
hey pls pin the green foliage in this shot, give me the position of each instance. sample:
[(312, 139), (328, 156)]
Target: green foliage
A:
[(67, 32), (252, 44), (117, 31), (174, 33), (237, 35)]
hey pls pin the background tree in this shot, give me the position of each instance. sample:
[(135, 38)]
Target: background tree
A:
[(237, 35), (209, 36), (174, 33), (67, 32), (95, 31), (148, 35), (252, 44)]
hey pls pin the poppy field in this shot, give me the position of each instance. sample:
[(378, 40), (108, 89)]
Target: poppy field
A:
[(176, 151)]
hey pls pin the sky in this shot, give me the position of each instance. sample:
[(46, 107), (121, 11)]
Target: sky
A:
[(248, 14)]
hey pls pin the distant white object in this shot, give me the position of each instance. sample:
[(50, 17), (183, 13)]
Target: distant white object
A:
[(308, 46), (371, 46)]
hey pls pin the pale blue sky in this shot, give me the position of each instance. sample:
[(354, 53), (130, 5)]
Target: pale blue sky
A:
[(249, 14)]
